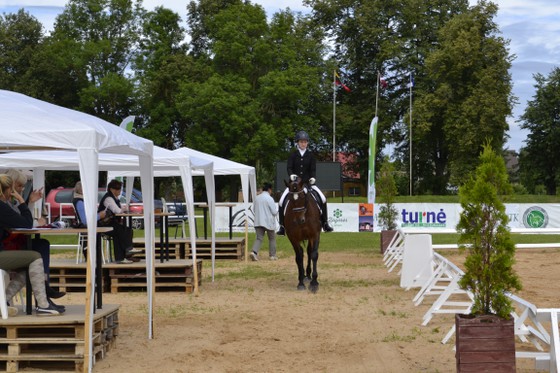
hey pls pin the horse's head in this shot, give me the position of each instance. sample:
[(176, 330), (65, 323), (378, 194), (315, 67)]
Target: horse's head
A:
[(295, 187)]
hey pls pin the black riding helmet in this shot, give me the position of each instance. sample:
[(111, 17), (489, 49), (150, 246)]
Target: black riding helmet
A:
[(302, 135)]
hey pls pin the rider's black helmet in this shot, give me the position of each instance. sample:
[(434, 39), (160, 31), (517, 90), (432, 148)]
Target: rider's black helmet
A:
[(302, 135)]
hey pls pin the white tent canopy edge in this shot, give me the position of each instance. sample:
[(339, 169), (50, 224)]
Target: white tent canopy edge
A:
[(184, 166), (28, 123), (224, 166), (165, 163)]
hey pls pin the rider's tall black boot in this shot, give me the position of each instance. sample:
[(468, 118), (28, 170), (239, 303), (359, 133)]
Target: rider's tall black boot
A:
[(281, 231), (325, 218)]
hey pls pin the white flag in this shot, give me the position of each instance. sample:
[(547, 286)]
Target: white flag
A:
[(371, 160)]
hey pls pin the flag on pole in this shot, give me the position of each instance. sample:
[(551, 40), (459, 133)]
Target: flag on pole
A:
[(371, 160), (339, 82), (382, 83), (411, 81), (128, 123)]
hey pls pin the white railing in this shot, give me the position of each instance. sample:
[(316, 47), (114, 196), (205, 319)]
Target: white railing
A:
[(540, 327)]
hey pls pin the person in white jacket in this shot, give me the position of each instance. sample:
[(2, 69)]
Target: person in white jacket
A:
[(265, 222)]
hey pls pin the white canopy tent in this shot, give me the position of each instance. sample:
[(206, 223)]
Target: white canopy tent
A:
[(30, 124), (165, 163), (184, 166), (224, 166)]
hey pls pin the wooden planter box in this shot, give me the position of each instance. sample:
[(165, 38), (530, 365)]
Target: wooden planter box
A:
[(386, 238), (484, 344)]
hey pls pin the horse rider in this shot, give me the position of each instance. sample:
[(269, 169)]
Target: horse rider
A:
[(302, 163)]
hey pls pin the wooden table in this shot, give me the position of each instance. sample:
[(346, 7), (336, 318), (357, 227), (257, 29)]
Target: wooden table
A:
[(98, 264), (163, 233)]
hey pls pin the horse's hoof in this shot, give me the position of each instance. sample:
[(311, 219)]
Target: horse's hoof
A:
[(307, 279), (301, 287), (314, 288)]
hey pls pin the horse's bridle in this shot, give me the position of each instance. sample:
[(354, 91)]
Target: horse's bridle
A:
[(296, 197)]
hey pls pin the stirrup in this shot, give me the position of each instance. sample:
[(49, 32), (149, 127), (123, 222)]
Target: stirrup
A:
[(327, 227), (281, 231)]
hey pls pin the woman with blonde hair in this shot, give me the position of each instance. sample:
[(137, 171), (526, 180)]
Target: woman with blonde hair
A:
[(21, 260), (17, 241)]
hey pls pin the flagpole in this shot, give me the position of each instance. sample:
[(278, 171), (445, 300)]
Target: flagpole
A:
[(334, 118), (377, 93), (410, 134)]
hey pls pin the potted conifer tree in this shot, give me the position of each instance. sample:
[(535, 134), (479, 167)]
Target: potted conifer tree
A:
[(387, 190), (485, 338)]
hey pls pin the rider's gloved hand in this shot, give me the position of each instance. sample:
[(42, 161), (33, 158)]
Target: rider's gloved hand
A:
[(312, 181), (293, 177)]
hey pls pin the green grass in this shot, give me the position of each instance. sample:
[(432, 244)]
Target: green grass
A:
[(355, 242)]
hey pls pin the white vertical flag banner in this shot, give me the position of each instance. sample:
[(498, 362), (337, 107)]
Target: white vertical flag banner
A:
[(371, 160)]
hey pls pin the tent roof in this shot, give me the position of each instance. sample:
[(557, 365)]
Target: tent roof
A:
[(222, 166), (166, 162), (41, 125)]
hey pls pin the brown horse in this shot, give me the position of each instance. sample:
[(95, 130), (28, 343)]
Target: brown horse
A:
[(302, 221)]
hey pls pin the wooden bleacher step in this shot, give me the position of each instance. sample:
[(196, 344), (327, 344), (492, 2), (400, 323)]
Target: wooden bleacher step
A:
[(181, 248), (170, 276), (174, 275), (57, 343)]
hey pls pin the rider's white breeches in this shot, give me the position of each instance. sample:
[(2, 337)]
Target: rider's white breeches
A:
[(314, 187)]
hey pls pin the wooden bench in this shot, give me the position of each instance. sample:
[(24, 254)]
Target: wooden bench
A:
[(173, 275), (68, 276), (226, 248)]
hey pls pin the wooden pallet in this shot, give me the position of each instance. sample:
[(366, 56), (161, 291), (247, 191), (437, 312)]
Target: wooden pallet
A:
[(70, 277), (181, 248), (176, 248), (225, 248), (173, 275), (31, 343)]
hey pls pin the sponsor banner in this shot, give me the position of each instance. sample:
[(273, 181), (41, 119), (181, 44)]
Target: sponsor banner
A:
[(358, 217), (365, 213), (427, 215)]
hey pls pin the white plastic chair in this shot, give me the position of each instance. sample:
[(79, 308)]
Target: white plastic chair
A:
[(4, 281), (3, 301), (105, 248)]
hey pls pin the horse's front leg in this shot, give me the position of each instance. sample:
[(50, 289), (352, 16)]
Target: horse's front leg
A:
[(313, 254), (308, 268), (299, 261)]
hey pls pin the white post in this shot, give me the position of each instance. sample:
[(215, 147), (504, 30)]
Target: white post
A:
[(334, 118), (377, 94), (410, 133)]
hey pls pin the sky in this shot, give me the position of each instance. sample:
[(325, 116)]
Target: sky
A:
[(532, 26)]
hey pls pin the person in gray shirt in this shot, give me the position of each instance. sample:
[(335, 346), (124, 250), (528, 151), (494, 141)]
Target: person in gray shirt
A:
[(265, 222)]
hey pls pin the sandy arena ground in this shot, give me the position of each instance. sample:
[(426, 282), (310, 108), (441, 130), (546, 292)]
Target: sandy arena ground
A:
[(359, 321)]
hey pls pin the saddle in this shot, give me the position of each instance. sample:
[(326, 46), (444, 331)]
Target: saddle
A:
[(315, 196)]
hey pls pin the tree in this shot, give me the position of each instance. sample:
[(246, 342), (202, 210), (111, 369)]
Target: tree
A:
[(258, 82), (468, 100), (100, 38), (160, 66), (21, 36), (489, 273), (387, 189), (390, 37), (538, 161)]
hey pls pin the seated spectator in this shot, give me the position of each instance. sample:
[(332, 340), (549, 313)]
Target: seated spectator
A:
[(18, 241), (20, 261), (122, 235)]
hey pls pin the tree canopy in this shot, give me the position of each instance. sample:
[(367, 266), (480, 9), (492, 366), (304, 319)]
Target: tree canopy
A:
[(239, 84)]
